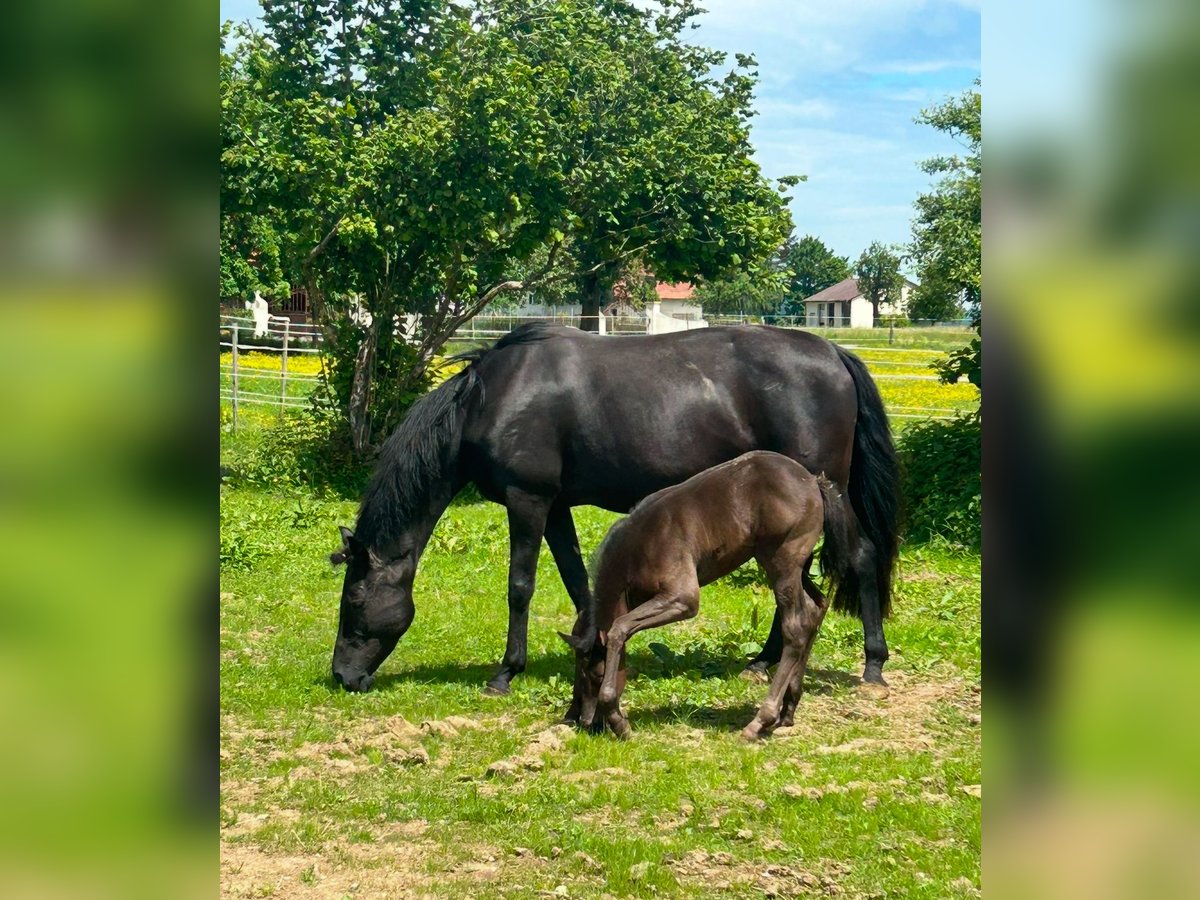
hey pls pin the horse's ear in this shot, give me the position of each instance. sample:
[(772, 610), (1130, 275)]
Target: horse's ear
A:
[(350, 546)]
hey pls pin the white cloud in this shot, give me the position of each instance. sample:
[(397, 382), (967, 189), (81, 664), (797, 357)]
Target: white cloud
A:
[(917, 66), (782, 110)]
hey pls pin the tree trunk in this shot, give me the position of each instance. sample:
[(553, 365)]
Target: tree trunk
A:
[(874, 312), (593, 294), (360, 390)]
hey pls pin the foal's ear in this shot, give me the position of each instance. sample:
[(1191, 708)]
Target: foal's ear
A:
[(350, 546), (577, 643)]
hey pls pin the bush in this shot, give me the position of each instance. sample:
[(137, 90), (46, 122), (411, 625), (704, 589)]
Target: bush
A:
[(310, 449), (941, 480)]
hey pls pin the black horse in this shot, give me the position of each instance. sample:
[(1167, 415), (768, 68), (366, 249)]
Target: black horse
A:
[(550, 418)]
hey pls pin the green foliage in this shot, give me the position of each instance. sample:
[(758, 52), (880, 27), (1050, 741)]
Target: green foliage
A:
[(744, 293), (418, 156), (942, 486), (947, 236), (813, 267), (309, 449), (966, 361), (878, 274)]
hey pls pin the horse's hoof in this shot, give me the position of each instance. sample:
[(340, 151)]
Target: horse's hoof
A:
[(622, 730), (496, 689), (873, 690), (755, 673)]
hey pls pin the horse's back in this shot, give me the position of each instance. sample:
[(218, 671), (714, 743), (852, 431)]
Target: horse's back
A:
[(608, 420)]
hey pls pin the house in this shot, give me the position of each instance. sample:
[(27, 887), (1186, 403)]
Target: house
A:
[(677, 300), (842, 305), (672, 309)]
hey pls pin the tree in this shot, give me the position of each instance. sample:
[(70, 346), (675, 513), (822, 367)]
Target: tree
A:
[(250, 242), (428, 157), (813, 268), (947, 240), (878, 275), (742, 294)]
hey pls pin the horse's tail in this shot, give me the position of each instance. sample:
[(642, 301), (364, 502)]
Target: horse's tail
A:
[(874, 487), (835, 551)]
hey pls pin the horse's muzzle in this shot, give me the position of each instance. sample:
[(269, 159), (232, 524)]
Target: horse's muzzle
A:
[(354, 683)]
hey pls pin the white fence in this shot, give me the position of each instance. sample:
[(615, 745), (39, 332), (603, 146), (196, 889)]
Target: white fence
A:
[(282, 336), (242, 385)]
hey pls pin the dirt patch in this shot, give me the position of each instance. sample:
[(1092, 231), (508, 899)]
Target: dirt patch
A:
[(532, 757), (722, 871), (397, 871)]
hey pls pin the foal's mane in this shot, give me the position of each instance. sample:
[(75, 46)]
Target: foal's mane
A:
[(422, 452)]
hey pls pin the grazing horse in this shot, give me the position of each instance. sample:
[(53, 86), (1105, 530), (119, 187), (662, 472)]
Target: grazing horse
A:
[(552, 417), (651, 566)]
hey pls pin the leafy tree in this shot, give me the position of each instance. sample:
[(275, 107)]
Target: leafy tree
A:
[(250, 241), (744, 293), (878, 273), (813, 268), (947, 240), (428, 157)]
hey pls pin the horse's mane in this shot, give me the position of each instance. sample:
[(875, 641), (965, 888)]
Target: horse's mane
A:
[(422, 451)]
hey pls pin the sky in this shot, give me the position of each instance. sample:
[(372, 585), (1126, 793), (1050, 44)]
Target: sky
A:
[(839, 86)]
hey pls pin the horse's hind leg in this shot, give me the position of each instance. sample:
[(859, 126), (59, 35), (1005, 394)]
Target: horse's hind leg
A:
[(526, 524), (662, 609), (564, 546), (863, 561), (757, 668)]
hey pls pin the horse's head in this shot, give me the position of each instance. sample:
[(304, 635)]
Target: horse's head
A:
[(377, 609)]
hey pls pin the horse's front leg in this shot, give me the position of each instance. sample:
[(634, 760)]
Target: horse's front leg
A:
[(526, 524), (564, 545)]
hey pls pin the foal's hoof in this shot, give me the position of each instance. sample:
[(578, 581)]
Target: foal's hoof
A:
[(754, 732), (873, 690), (756, 672), (496, 689)]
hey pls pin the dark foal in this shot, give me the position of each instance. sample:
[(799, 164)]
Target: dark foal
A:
[(652, 564)]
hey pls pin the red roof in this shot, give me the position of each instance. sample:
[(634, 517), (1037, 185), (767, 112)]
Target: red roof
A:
[(682, 290)]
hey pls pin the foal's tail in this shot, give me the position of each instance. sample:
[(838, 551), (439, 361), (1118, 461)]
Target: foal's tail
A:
[(874, 487), (835, 552)]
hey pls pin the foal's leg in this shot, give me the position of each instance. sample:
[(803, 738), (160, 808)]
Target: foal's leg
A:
[(662, 609), (799, 618), (564, 545), (526, 523), (787, 717)]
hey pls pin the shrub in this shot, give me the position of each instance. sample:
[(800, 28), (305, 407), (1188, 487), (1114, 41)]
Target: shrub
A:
[(941, 480), (312, 449)]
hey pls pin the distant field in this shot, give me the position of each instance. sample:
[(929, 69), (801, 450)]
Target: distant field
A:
[(907, 398)]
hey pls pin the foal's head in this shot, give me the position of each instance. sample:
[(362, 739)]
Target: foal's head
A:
[(589, 675)]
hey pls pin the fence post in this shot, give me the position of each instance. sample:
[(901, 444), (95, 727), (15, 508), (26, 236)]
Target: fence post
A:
[(287, 323), (891, 332), (233, 375)]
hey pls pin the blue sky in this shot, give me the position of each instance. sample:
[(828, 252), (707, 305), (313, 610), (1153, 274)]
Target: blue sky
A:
[(840, 84)]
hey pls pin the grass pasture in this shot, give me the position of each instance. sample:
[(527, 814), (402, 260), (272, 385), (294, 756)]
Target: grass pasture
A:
[(424, 787)]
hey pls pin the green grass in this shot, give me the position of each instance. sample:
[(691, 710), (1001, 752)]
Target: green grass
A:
[(320, 799)]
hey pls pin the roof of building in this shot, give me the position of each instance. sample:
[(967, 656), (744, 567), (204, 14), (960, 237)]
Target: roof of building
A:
[(681, 290), (846, 289)]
